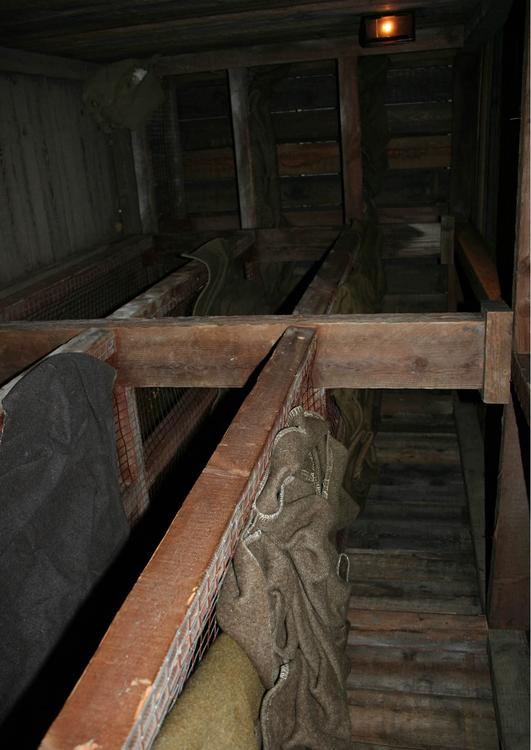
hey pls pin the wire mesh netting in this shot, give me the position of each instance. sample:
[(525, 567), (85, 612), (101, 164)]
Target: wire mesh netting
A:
[(199, 627)]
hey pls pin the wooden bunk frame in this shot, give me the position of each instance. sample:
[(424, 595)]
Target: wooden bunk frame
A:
[(168, 619)]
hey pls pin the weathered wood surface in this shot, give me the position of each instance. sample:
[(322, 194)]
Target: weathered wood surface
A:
[(145, 181), (413, 720), (508, 593), (471, 451), (498, 344), (509, 656), (117, 690), (478, 264), (521, 288), (351, 164), (390, 351), (245, 166), (521, 381), (52, 206)]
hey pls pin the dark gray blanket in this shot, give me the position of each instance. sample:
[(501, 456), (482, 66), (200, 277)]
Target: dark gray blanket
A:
[(61, 518)]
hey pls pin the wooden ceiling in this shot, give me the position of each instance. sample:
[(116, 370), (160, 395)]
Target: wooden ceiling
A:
[(104, 30)]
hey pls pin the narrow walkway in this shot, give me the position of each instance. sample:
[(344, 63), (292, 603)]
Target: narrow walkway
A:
[(418, 642)]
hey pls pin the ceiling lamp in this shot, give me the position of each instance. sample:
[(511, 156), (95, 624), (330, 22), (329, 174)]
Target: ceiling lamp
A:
[(376, 31)]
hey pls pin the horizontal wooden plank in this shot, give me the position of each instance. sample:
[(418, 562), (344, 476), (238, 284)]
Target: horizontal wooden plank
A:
[(417, 448), (419, 119), (413, 720), (415, 187), (419, 630), (417, 303), (419, 151), (393, 534), (306, 125), (446, 597), (444, 673), (428, 566), (365, 351)]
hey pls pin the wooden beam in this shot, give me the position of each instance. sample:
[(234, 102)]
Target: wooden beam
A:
[(349, 108), (51, 66), (478, 265), (450, 37), (508, 599), (239, 101), (319, 297), (521, 283), (509, 659), (164, 296), (521, 382), (355, 351), (497, 373), (143, 660), (447, 258)]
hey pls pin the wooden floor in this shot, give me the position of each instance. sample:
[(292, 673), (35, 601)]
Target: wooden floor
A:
[(418, 642)]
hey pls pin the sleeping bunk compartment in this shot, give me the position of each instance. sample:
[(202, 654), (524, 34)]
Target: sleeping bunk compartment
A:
[(264, 375)]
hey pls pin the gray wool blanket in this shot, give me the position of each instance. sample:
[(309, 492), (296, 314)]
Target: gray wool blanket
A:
[(286, 594)]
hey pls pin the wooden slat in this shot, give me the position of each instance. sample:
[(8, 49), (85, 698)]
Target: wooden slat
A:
[(497, 372), (412, 629), (413, 720), (479, 267), (145, 181), (320, 294), (349, 108), (521, 283), (116, 690), (408, 670), (508, 595), (509, 655), (471, 450), (521, 381), (358, 351), (419, 152), (245, 167)]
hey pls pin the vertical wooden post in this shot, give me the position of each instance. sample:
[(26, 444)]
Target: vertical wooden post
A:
[(239, 100), (508, 605), (521, 267), (350, 138), (145, 181), (448, 259), (497, 365), (174, 154)]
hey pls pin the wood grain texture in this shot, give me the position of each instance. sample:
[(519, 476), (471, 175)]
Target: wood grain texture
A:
[(477, 262), (112, 694), (509, 656), (521, 284), (365, 351), (508, 595), (245, 168), (349, 109), (58, 194), (498, 341)]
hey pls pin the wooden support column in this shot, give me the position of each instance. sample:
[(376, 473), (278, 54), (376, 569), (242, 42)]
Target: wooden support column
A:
[(497, 366), (350, 138), (239, 100), (508, 601), (145, 182), (448, 259), (174, 154)]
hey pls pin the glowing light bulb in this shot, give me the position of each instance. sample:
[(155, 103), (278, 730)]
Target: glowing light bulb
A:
[(387, 27)]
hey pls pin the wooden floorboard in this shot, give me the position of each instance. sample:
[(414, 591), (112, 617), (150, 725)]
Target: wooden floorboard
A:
[(420, 674)]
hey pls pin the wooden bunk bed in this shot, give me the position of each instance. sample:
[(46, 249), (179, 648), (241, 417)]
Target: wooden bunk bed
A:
[(168, 619)]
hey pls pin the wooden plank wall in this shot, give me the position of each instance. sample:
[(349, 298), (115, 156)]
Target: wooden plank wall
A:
[(58, 190), (419, 111)]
